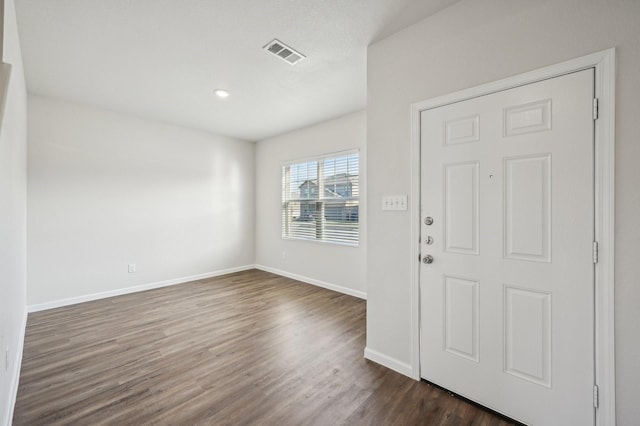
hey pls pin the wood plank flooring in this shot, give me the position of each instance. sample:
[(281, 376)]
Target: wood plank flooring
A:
[(246, 348)]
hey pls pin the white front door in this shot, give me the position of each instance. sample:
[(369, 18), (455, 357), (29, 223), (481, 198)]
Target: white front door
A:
[(507, 304)]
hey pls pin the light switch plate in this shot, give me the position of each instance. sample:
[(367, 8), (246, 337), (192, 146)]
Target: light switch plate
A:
[(394, 202)]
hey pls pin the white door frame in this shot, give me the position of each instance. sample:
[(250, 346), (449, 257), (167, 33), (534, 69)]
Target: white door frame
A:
[(604, 173)]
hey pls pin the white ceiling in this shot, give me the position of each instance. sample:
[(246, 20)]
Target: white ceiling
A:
[(162, 59)]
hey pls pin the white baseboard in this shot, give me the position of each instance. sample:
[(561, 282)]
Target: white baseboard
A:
[(340, 289), (15, 373), (103, 295), (387, 361)]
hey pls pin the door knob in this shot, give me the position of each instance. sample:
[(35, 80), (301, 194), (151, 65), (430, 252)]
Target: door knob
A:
[(428, 220), (427, 259)]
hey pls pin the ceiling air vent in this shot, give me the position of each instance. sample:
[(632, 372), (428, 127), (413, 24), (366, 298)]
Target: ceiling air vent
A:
[(284, 52)]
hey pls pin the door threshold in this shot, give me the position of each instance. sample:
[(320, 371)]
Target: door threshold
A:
[(471, 402)]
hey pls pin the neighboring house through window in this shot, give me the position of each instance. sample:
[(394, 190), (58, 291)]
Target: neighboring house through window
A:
[(320, 198)]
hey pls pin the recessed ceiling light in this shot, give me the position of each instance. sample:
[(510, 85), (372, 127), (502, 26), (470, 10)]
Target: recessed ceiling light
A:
[(221, 93)]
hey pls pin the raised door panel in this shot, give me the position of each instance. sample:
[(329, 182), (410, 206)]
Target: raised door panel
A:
[(461, 208), (527, 335), (462, 317), (527, 201)]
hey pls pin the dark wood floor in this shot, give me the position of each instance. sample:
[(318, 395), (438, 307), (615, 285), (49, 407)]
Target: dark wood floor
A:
[(246, 348)]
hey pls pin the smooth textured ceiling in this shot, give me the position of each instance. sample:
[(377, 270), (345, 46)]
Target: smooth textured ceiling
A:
[(162, 59)]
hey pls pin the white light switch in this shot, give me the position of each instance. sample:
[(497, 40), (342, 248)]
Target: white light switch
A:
[(394, 202)]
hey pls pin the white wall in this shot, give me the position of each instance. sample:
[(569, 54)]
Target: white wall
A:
[(475, 42), (334, 266), (106, 190), (13, 218)]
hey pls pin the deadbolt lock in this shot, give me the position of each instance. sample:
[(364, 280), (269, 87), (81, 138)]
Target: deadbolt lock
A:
[(428, 220)]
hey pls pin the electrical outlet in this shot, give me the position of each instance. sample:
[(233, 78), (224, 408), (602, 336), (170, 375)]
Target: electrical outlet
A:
[(132, 268)]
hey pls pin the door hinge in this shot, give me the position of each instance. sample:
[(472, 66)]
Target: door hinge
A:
[(595, 108), (596, 396), (595, 252)]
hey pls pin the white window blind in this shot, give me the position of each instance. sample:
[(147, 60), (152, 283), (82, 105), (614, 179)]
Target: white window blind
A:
[(320, 199)]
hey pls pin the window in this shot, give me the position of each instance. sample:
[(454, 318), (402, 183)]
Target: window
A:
[(320, 199)]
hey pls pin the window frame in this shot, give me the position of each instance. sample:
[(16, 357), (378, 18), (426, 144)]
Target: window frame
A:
[(321, 202)]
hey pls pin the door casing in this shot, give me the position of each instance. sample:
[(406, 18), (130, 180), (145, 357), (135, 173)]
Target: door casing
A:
[(604, 173)]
